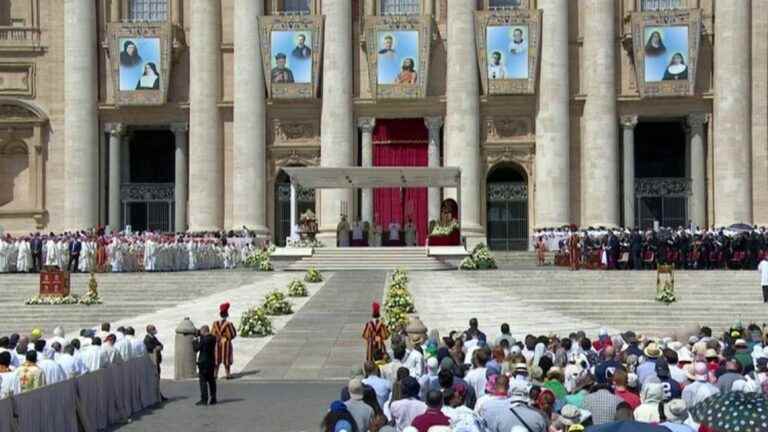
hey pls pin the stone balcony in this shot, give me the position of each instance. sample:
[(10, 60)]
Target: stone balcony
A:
[(26, 39)]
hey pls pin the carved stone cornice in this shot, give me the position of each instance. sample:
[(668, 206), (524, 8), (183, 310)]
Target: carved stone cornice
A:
[(628, 121), (520, 154), (299, 131), (505, 129)]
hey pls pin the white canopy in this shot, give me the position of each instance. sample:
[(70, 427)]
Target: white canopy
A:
[(357, 177)]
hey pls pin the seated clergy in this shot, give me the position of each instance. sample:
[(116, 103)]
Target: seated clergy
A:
[(394, 231), (410, 233), (357, 231), (342, 232)]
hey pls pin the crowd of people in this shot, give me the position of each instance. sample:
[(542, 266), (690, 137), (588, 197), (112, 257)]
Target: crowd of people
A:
[(466, 382), (29, 362), (96, 251), (736, 247)]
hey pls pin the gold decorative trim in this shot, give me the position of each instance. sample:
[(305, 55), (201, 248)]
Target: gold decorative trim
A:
[(504, 18), (502, 129), (310, 24), (690, 18)]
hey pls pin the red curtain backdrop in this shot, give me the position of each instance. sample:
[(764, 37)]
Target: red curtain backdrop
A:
[(401, 143)]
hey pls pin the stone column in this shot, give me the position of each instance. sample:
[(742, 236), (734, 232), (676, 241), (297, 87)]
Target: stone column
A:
[(81, 128), (249, 184), (336, 122), (366, 125), (433, 125), (206, 158), (553, 153), (628, 123), (759, 113), (697, 202), (599, 144), (115, 177), (114, 10), (733, 188), (180, 182), (462, 120)]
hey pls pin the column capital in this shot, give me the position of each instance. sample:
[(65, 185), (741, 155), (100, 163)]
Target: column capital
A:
[(366, 124), (696, 121), (628, 121), (433, 123), (179, 127), (116, 130)]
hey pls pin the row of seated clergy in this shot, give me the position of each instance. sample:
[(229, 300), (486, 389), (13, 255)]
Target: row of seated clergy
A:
[(361, 234)]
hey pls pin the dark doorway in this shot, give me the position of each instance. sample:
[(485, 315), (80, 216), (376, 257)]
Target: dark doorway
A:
[(149, 206), (660, 171), (507, 204), (305, 200)]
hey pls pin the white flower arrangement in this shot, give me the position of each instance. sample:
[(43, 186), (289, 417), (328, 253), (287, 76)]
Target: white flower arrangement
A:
[(86, 300), (255, 323), (666, 293), (259, 259), (480, 259), (297, 288), (398, 302), (444, 230), (304, 243), (313, 276), (275, 303)]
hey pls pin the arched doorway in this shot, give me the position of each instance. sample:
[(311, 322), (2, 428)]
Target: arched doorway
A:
[(507, 201), (305, 200)]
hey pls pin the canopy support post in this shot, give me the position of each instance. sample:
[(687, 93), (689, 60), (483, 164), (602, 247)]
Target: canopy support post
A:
[(294, 230)]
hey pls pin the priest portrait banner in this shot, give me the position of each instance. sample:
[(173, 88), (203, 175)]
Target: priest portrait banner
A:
[(291, 48), (508, 46), (291, 57), (398, 57), (507, 52)]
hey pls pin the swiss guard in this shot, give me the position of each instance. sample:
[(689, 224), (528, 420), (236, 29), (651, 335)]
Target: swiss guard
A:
[(375, 333)]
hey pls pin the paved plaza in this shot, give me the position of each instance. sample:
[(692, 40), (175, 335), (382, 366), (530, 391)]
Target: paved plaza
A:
[(315, 349)]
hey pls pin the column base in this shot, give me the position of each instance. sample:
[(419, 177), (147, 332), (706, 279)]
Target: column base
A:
[(327, 237)]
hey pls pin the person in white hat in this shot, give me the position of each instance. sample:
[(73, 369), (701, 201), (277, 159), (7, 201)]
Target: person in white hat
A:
[(676, 412)]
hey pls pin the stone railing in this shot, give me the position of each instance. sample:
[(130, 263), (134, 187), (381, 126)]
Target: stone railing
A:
[(662, 186), (146, 192), (20, 38)]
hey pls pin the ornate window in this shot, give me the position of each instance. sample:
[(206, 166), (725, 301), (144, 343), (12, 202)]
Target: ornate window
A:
[(148, 10), (657, 5), (502, 4), (296, 7), (400, 7)]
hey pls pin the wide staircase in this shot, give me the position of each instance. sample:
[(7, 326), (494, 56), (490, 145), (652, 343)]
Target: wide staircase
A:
[(543, 301), (124, 295), (522, 260), (370, 258)]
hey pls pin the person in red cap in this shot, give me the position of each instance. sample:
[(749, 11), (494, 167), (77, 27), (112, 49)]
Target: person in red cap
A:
[(375, 334), (224, 332)]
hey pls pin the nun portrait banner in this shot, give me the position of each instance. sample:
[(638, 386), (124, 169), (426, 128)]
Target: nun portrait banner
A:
[(140, 59), (666, 46), (138, 63)]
